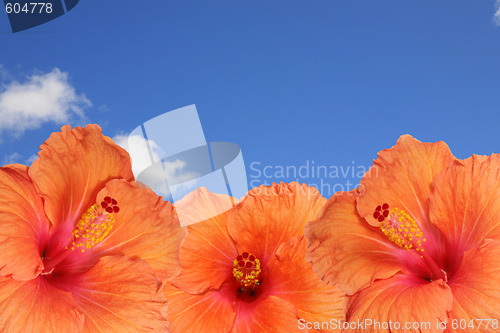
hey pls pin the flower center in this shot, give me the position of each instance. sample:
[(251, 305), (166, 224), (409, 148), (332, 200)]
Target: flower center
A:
[(94, 225), (90, 230), (246, 270), (400, 228)]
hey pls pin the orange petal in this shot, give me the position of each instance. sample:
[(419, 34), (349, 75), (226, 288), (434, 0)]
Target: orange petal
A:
[(211, 312), (401, 176), (273, 314), (120, 295), (476, 288), (465, 202), (271, 215), (208, 252), (201, 205), (37, 306), (23, 224), (400, 300), (74, 165), (146, 227), (347, 251), (293, 279)]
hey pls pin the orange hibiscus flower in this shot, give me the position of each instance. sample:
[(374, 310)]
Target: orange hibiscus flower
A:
[(82, 247), (418, 245), (245, 270)]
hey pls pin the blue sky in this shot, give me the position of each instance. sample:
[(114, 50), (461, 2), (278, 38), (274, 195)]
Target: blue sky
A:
[(291, 82)]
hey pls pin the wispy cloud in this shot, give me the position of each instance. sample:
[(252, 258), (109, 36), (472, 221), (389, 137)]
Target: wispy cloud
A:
[(31, 159), (15, 157), (12, 158), (42, 98), (496, 17)]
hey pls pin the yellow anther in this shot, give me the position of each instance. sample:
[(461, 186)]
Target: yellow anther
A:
[(246, 270), (401, 229), (92, 228)]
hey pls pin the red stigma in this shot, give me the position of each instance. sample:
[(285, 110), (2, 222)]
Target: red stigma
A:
[(245, 255), (381, 212), (110, 205)]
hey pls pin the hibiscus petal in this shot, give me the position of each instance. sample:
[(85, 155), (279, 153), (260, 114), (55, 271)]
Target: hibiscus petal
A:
[(208, 252), (476, 288), (401, 176), (37, 306), (465, 201), (293, 279), (120, 295), (273, 314), (211, 312), (401, 300), (344, 249), (73, 166), (271, 215), (201, 204), (23, 225), (145, 227)]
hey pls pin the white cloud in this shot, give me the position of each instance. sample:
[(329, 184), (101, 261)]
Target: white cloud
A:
[(31, 159), (11, 159), (104, 108), (136, 146), (174, 172), (496, 17), (17, 158), (42, 98)]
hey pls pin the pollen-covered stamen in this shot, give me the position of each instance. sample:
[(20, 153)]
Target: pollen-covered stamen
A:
[(94, 225), (246, 270), (404, 231), (400, 228)]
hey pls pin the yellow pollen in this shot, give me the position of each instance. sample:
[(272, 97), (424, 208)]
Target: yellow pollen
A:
[(246, 270), (92, 228), (402, 230)]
